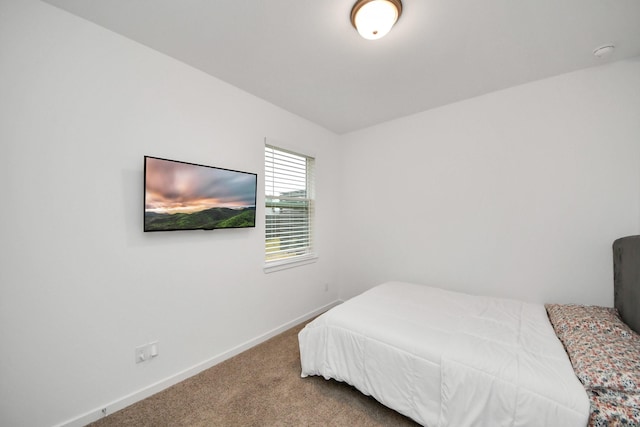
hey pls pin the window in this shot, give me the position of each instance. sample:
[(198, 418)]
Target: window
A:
[(289, 206)]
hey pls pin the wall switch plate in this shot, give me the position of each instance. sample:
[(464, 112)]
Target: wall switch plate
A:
[(153, 349), (146, 352)]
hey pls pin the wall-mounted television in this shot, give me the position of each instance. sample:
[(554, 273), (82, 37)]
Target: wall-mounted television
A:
[(187, 196)]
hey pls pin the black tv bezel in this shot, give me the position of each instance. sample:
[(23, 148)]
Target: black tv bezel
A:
[(144, 194)]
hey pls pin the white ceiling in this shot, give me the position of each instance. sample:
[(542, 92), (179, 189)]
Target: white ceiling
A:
[(304, 55)]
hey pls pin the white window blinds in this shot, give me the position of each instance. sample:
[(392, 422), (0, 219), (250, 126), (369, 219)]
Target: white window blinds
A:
[(288, 204)]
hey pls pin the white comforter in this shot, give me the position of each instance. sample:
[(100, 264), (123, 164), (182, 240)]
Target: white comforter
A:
[(448, 359)]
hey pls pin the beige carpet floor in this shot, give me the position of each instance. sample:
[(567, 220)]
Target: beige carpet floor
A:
[(260, 387)]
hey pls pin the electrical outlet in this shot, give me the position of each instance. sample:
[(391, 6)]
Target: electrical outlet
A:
[(142, 354), (326, 287), (146, 352)]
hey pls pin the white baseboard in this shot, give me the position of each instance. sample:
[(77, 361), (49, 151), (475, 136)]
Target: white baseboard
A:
[(130, 399)]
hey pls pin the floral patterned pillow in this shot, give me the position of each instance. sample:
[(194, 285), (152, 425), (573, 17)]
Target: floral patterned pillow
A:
[(604, 351), (569, 320)]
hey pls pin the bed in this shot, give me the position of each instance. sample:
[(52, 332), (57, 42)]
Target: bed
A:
[(445, 358)]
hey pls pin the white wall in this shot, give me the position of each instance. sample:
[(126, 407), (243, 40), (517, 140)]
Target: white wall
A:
[(517, 193), (81, 284)]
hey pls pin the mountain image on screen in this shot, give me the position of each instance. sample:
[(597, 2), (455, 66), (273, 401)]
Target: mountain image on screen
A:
[(187, 196), (207, 220)]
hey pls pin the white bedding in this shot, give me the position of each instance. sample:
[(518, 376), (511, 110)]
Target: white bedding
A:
[(444, 358)]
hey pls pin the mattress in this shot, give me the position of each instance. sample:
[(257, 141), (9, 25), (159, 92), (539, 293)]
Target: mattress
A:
[(445, 358)]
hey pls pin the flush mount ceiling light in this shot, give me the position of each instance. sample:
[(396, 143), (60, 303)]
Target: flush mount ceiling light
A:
[(374, 18)]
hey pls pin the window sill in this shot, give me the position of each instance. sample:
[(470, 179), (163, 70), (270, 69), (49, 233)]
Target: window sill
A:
[(272, 266)]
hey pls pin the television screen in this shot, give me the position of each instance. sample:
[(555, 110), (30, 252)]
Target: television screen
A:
[(186, 196)]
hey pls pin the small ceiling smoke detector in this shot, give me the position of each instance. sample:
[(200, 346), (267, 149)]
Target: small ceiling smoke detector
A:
[(603, 51)]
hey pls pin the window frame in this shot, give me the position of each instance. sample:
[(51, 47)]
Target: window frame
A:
[(270, 202)]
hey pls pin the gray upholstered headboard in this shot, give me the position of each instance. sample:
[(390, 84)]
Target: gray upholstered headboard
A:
[(626, 280)]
